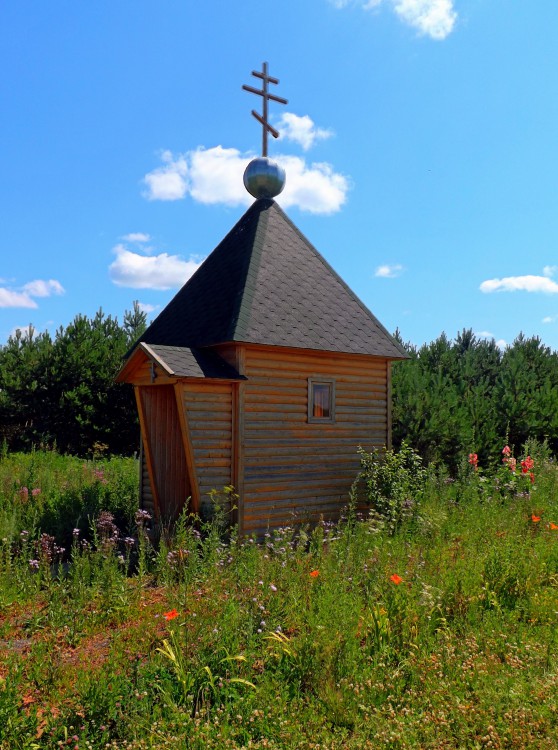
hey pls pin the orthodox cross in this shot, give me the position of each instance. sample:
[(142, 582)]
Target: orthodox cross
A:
[(267, 128)]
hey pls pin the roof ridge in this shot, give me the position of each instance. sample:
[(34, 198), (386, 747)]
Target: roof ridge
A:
[(338, 278), (253, 260)]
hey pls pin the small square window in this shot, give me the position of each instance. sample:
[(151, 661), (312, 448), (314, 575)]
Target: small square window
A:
[(321, 400)]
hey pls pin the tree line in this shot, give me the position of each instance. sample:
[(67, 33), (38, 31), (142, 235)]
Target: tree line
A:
[(60, 391), (468, 396), (449, 399)]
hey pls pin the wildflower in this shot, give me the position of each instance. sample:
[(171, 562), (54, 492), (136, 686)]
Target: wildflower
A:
[(553, 526), (23, 493), (272, 587), (396, 579), (34, 564), (526, 465), (473, 460), (142, 516), (506, 450), (532, 477), (75, 533), (36, 491), (512, 464), (535, 519), (106, 527), (170, 615), (314, 573)]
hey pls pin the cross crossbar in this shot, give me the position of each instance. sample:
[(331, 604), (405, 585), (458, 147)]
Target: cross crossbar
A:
[(264, 93)]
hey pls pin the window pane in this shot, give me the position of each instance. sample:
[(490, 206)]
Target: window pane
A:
[(321, 406)]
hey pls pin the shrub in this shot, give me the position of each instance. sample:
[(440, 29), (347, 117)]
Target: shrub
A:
[(394, 483)]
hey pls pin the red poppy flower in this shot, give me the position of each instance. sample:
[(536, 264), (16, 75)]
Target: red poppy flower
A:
[(396, 579), (170, 615), (535, 519), (554, 526), (314, 574)]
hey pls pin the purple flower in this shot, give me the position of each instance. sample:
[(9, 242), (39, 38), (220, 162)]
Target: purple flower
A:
[(142, 516), (34, 564)]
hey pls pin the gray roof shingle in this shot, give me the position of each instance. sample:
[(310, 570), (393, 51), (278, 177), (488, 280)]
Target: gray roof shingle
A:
[(184, 362), (266, 284)]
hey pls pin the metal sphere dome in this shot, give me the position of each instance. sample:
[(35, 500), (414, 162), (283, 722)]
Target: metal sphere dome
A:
[(264, 178)]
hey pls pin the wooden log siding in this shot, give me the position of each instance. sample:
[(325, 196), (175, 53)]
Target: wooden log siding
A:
[(295, 471), (208, 411), (146, 494), (165, 451)]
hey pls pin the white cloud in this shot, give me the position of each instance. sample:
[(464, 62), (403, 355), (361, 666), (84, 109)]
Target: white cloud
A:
[(9, 298), (433, 18), (147, 308), (550, 319), (389, 272), (549, 271), (167, 183), (39, 288), (520, 284), (215, 176), (315, 187), (161, 271), (301, 130), (140, 237), (23, 296)]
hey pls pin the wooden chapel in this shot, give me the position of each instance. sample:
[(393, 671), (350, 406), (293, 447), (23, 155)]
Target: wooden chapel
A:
[(265, 373)]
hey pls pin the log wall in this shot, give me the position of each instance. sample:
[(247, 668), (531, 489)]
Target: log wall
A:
[(146, 494), (209, 416), (294, 471)]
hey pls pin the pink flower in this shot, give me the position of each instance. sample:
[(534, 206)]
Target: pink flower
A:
[(36, 491), (506, 450)]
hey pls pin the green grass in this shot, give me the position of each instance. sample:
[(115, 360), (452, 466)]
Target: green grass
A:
[(301, 641)]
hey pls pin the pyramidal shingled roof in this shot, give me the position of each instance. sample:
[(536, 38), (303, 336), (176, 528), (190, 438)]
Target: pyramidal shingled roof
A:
[(266, 284)]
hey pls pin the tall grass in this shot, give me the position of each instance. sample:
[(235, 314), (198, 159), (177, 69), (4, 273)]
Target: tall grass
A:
[(440, 633)]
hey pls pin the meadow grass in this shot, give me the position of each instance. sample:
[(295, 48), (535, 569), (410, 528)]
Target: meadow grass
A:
[(439, 633)]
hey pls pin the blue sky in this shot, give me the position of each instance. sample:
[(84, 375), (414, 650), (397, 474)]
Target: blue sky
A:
[(420, 145)]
